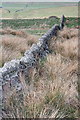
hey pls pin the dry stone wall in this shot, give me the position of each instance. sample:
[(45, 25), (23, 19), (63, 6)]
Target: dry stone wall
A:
[(10, 72)]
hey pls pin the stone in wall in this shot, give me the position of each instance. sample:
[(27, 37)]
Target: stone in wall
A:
[(10, 72)]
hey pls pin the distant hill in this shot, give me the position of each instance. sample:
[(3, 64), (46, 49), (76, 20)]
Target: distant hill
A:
[(39, 9)]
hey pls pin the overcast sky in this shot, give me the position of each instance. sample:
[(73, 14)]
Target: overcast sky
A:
[(39, 0)]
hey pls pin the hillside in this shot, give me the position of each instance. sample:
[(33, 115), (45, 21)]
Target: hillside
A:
[(51, 91), (39, 60), (30, 10)]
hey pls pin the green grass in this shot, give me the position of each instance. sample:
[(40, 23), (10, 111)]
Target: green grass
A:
[(32, 5), (39, 10), (73, 22), (69, 11), (29, 23), (37, 32), (37, 26), (42, 13)]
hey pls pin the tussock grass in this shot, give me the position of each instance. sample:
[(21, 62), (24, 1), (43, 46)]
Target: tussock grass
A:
[(68, 48), (14, 43), (13, 32), (67, 43), (69, 33), (52, 90)]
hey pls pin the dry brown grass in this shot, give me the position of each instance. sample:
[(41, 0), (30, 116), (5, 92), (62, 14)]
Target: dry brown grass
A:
[(69, 33), (52, 92), (50, 95), (66, 43), (13, 32), (68, 48), (14, 44)]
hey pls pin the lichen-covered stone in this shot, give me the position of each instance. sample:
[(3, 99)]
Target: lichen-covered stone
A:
[(10, 72)]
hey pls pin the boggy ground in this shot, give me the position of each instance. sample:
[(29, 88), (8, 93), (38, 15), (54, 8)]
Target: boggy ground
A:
[(53, 89)]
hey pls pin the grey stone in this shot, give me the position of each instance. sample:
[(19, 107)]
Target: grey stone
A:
[(18, 87), (9, 73)]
